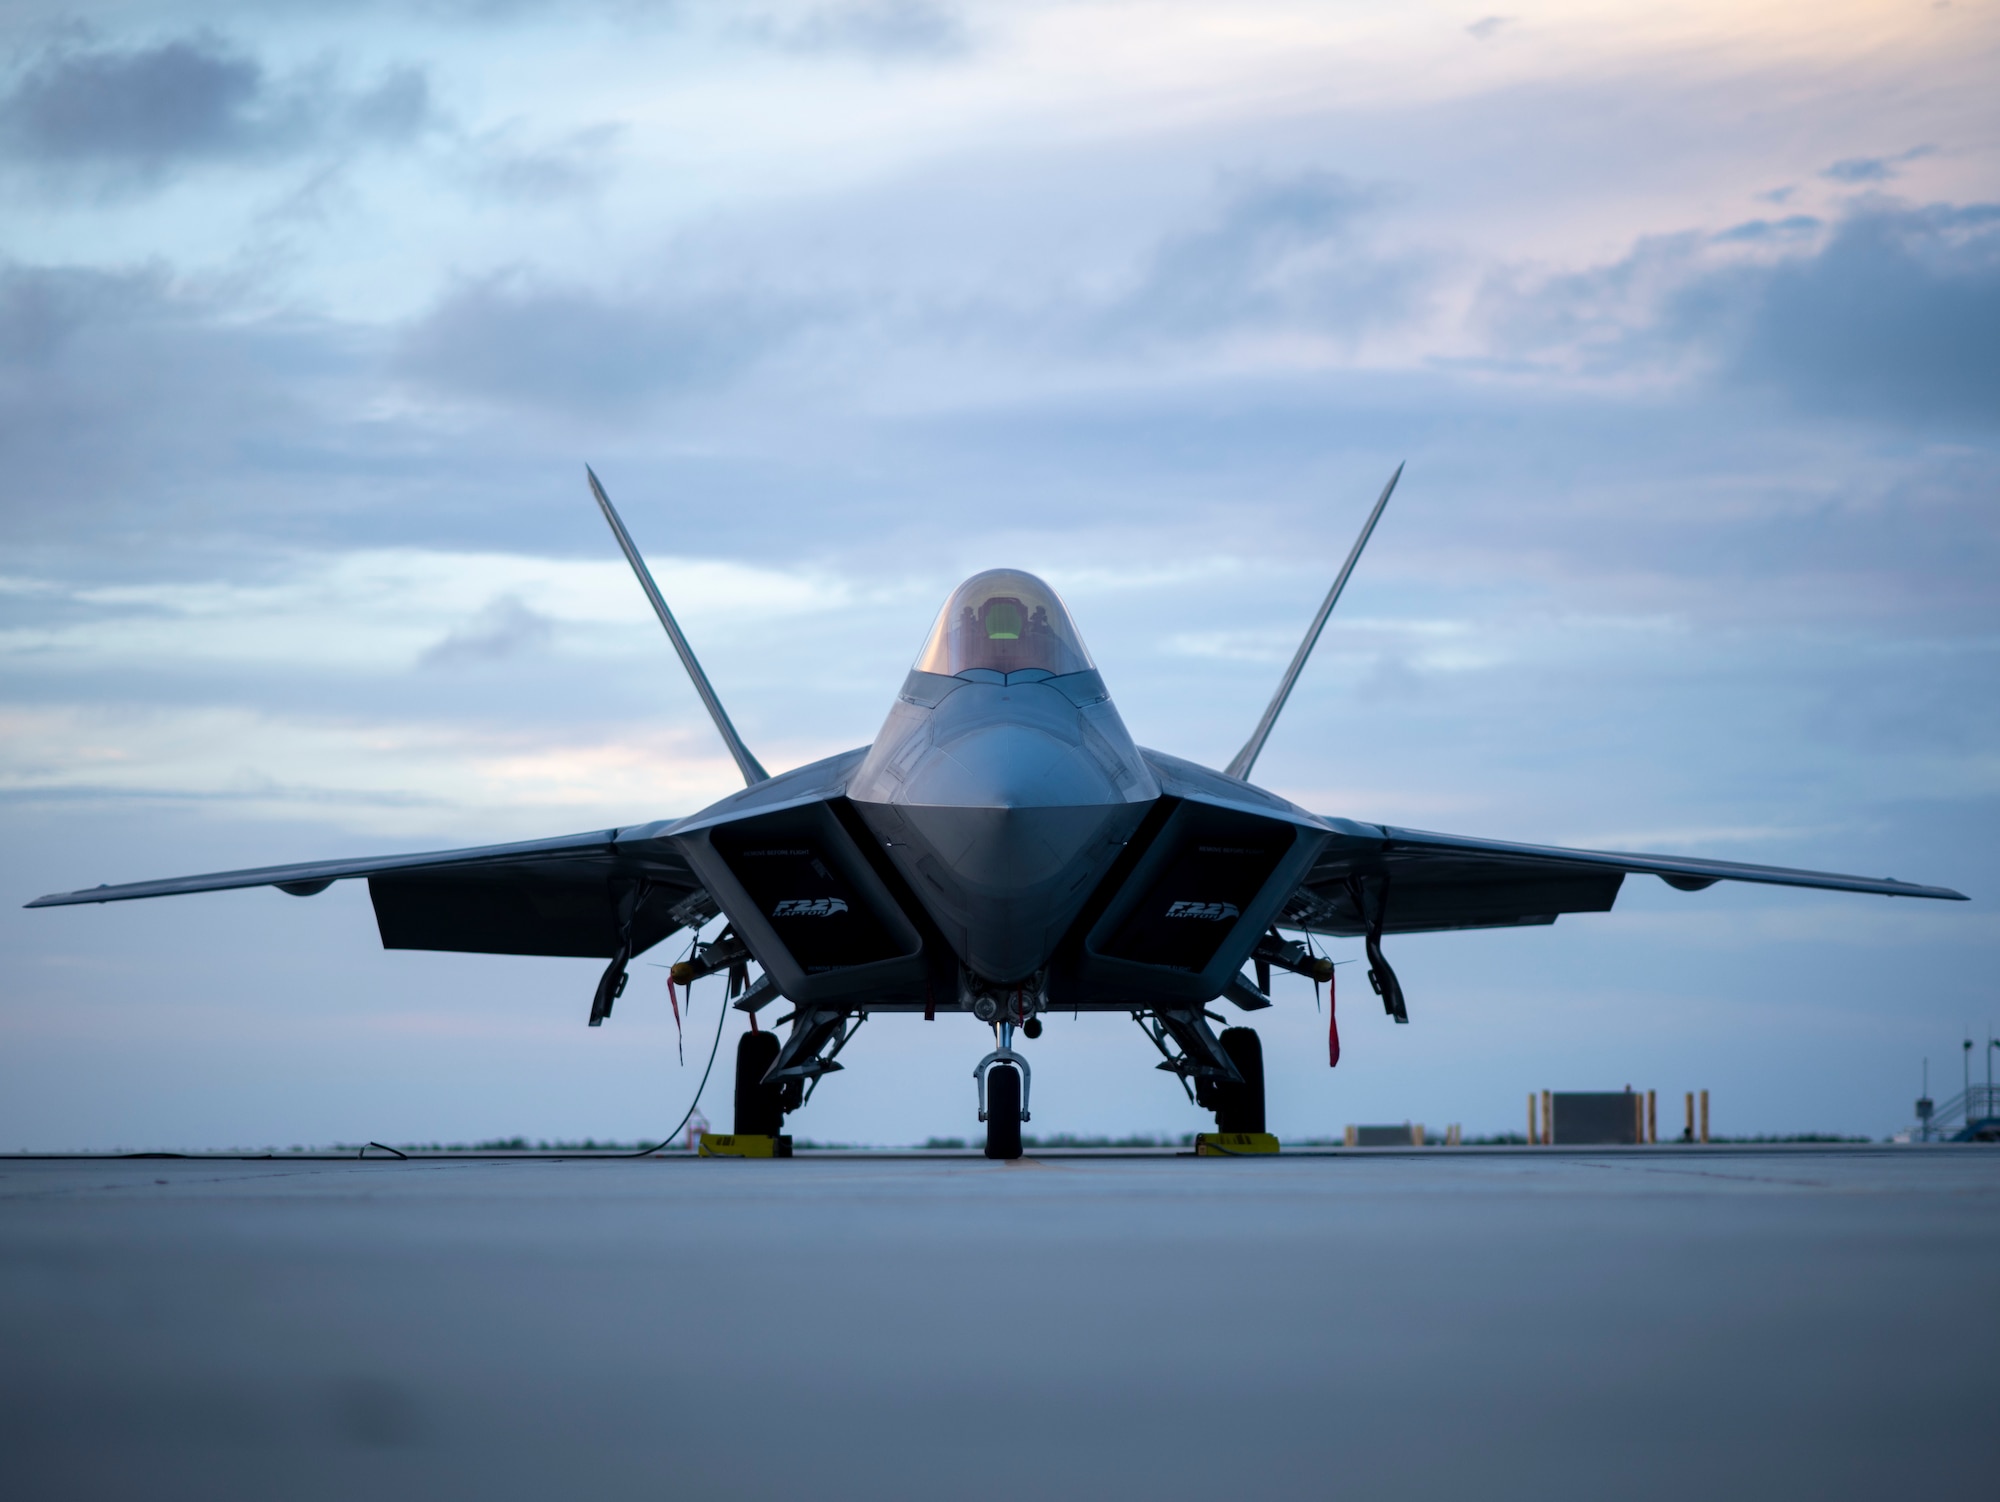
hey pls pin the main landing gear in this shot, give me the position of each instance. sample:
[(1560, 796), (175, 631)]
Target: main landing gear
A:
[(1239, 1103), (1224, 1075), (760, 1105)]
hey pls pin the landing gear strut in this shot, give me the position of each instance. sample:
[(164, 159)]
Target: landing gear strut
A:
[(774, 1079), (1003, 1077), (1224, 1075), (1371, 900)]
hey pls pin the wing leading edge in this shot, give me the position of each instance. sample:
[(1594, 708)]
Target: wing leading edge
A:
[(605, 894), (1411, 880), (635, 851)]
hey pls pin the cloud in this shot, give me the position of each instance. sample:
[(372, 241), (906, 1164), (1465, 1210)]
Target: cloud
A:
[(1857, 170), (1603, 321), (1283, 254), (505, 628), (129, 116), (1766, 231), (396, 606), (1892, 312), (876, 28), (122, 388), (1488, 27), (1897, 315), (516, 340), (572, 166)]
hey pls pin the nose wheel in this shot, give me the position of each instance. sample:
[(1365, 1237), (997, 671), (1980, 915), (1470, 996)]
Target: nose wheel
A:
[(1003, 1077)]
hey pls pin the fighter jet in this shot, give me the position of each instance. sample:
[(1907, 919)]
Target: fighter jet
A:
[(1001, 849)]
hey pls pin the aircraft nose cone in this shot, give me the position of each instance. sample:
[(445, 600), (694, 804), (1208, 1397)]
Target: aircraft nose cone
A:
[(1009, 852), (1009, 766), (1004, 830), (1003, 805)]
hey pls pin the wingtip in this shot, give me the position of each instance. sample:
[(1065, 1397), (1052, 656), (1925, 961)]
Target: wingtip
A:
[(1913, 889)]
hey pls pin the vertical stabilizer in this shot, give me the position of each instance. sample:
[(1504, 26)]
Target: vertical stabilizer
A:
[(1241, 764), (752, 769)]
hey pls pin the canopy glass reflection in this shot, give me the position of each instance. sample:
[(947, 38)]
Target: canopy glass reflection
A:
[(1005, 621)]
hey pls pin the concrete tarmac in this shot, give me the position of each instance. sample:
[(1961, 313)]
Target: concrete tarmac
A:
[(1544, 1324)]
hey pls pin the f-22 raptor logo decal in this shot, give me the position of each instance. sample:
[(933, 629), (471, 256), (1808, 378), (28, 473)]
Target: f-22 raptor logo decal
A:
[(1212, 912), (809, 907)]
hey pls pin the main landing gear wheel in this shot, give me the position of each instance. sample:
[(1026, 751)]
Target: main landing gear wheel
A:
[(760, 1110), (1003, 1112), (1240, 1108)]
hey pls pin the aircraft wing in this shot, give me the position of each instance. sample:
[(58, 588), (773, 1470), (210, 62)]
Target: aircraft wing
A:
[(1425, 882), (586, 895)]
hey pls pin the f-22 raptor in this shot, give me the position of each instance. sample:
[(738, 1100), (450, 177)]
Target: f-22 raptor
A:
[(1002, 849)]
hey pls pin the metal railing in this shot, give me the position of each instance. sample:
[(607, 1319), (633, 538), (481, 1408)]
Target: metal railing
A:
[(1963, 1112)]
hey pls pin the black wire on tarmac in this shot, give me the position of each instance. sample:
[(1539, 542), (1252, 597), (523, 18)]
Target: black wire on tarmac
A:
[(723, 1008)]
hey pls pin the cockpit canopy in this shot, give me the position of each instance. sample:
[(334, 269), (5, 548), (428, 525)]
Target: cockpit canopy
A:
[(1005, 621)]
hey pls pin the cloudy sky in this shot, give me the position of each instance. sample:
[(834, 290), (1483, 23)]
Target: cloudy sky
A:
[(1686, 319)]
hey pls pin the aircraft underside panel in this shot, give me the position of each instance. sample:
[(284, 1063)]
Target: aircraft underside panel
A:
[(791, 870), (582, 915), (811, 905), (1214, 863), (1413, 881), (1430, 896), (1175, 924)]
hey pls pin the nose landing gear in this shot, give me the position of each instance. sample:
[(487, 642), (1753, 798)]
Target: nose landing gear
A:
[(1003, 1077)]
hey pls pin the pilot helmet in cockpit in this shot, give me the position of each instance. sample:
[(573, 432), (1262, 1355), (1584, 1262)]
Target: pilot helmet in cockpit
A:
[(1004, 621)]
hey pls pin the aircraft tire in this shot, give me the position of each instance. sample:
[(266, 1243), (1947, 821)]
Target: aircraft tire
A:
[(1003, 1112), (1240, 1108), (760, 1110)]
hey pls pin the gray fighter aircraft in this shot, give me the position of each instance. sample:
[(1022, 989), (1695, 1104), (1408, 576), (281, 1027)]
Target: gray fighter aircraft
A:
[(1001, 848)]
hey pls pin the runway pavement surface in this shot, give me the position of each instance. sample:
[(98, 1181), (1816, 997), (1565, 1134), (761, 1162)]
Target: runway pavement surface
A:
[(1545, 1325)]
